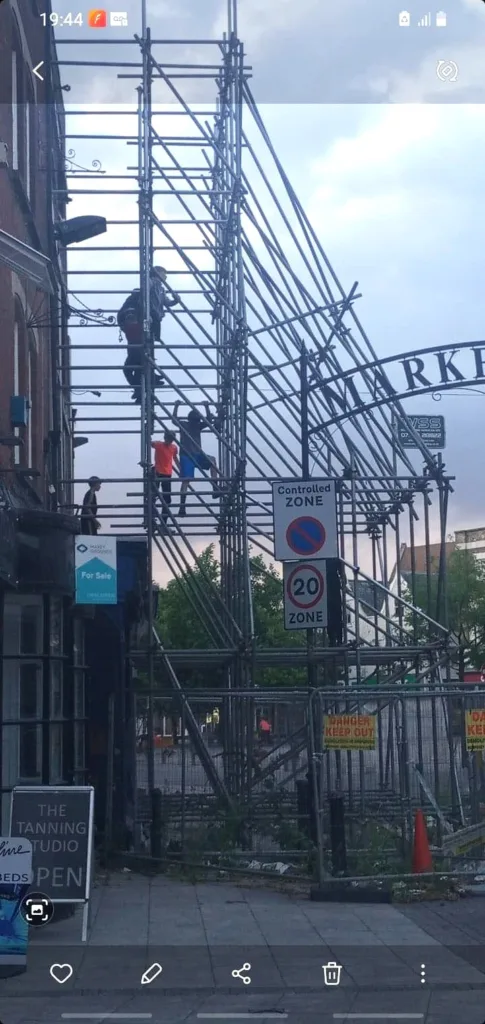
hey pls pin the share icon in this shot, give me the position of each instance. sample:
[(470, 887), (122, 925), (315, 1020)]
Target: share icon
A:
[(246, 980)]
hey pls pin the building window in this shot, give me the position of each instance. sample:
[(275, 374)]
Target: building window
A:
[(30, 707), (28, 690), (25, 383), (16, 381), (30, 641), (15, 113), (30, 392), (30, 141), (56, 696), (22, 691), (30, 753), (23, 108), (19, 134), (23, 625), (79, 707)]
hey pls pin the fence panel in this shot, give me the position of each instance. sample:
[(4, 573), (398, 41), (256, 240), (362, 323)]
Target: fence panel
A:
[(381, 756), (387, 755), (259, 747)]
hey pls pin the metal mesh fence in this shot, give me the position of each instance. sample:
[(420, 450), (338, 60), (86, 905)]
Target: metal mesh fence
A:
[(386, 756), (259, 747), (284, 762)]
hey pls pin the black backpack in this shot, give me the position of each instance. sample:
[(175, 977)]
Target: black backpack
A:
[(132, 303)]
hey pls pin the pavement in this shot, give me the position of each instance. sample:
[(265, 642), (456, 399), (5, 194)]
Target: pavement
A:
[(423, 962)]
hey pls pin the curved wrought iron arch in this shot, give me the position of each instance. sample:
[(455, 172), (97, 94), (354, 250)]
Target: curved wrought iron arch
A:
[(392, 395)]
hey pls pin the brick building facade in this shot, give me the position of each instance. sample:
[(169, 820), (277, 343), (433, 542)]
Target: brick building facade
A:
[(42, 635)]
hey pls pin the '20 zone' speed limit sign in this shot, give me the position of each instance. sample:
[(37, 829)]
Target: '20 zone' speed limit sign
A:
[(305, 586)]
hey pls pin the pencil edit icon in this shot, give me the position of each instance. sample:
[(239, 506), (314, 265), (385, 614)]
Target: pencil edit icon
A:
[(97, 19), (151, 973)]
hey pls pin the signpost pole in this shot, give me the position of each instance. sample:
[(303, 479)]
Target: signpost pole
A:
[(313, 772), (305, 475), (89, 872)]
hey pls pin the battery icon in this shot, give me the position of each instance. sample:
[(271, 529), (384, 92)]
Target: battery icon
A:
[(150, 974)]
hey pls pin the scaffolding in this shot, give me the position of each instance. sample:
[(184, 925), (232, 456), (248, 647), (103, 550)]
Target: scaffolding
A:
[(262, 325)]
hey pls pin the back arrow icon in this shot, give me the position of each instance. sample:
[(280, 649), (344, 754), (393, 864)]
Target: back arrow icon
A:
[(36, 70)]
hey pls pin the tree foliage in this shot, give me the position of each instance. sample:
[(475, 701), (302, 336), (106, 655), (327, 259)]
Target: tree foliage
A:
[(463, 611), (181, 626)]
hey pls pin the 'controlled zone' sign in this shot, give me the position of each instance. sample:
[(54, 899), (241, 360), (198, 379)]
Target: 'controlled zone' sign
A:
[(349, 732), (305, 519), (305, 594)]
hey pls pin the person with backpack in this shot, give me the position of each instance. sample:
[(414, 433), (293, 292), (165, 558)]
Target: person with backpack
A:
[(130, 322)]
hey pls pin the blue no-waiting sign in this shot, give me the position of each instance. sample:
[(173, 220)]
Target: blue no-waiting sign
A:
[(306, 535)]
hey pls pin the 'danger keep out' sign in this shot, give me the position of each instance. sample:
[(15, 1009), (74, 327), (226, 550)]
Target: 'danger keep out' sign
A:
[(349, 732)]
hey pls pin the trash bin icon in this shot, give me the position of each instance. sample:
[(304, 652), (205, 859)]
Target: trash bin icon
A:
[(331, 973)]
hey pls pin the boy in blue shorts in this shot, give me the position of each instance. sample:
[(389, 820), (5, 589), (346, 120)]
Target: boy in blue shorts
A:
[(192, 456)]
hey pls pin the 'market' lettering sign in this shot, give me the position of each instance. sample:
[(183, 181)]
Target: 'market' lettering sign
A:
[(392, 379), (58, 822)]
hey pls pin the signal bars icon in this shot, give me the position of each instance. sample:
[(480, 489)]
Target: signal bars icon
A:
[(404, 20)]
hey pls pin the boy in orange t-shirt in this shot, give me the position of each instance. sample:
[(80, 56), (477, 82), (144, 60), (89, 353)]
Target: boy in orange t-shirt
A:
[(166, 453)]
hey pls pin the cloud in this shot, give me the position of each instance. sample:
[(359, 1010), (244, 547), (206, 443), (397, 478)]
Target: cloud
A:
[(259, 21), (300, 52), (355, 52), (397, 201), (379, 147)]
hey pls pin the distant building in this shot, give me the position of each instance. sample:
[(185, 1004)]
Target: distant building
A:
[(418, 558), (472, 540)]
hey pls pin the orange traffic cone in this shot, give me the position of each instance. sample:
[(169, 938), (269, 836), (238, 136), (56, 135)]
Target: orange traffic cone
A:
[(422, 860)]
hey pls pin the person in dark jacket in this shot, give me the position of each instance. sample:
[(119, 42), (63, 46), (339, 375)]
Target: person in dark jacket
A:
[(89, 511), (130, 321)]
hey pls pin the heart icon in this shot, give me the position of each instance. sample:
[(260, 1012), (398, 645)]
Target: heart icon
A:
[(61, 972)]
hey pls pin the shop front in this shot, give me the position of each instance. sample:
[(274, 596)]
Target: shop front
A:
[(42, 665)]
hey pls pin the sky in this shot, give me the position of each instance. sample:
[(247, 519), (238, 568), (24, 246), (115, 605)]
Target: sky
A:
[(315, 51), (385, 158)]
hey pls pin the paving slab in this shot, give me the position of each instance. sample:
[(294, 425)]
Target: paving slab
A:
[(200, 933)]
